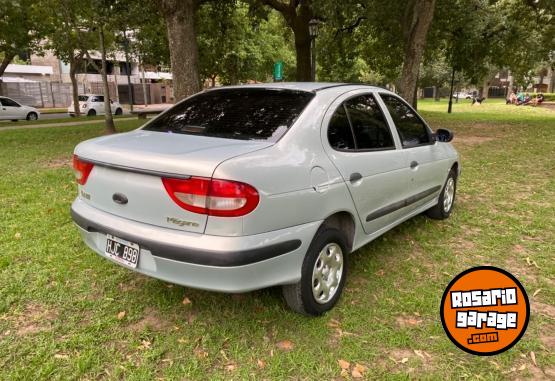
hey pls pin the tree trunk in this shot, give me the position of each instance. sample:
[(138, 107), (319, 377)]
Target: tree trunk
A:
[(298, 22), (180, 23), (74, 91), (109, 120), (299, 25), (484, 90), (302, 50), (551, 86), (4, 64), (419, 16)]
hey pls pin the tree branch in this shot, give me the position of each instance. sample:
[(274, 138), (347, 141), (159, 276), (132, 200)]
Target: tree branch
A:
[(350, 28), (277, 5)]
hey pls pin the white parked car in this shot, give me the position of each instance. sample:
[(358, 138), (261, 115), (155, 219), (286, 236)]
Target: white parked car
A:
[(12, 110), (241, 188), (93, 104)]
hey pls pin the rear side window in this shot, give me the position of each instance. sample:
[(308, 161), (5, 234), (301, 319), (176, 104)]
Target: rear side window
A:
[(359, 124), (411, 128), (369, 125), (244, 114), (99, 98), (340, 135), (83, 98)]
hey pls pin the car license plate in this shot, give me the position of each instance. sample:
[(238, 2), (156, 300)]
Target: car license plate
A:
[(122, 251)]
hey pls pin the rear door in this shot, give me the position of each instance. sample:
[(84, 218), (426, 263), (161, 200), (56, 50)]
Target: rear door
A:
[(427, 165), (98, 103), (360, 143)]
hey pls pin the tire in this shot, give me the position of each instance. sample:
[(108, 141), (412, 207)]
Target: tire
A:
[(91, 113), (446, 200), (32, 116), (301, 296), (119, 111)]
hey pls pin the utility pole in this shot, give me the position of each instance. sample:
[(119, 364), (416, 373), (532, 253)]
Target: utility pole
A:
[(451, 92)]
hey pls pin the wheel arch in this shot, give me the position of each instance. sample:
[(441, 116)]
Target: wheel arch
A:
[(455, 167), (345, 222)]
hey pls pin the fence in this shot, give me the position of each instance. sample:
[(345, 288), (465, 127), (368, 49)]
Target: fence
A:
[(52, 94)]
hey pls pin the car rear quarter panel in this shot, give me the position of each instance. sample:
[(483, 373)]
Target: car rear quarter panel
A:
[(296, 180)]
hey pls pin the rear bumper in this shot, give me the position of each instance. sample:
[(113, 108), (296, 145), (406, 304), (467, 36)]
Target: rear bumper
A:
[(228, 264)]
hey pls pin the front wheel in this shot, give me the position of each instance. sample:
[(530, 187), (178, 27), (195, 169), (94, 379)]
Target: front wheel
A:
[(323, 275), (91, 113), (119, 111), (446, 200), (32, 116)]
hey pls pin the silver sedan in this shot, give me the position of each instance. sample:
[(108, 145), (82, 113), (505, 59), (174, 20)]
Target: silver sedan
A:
[(241, 188)]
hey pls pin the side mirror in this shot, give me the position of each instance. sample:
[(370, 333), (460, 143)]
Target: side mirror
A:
[(444, 135)]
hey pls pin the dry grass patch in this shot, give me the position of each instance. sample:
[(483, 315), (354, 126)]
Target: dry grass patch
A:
[(33, 319)]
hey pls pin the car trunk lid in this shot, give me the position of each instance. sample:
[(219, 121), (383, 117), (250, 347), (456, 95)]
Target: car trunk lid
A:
[(132, 165)]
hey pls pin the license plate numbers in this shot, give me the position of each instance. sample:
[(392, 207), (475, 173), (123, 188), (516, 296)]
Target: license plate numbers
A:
[(122, 251)]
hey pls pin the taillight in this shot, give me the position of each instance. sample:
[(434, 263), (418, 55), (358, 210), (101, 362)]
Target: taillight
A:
[(82, 169), (214, 197)]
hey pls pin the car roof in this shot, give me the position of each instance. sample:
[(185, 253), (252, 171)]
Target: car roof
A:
[(301, 86)]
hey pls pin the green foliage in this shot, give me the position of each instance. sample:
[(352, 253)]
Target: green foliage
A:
[(21, 27), (235, 48)]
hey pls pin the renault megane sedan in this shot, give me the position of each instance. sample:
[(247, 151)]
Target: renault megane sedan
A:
[(241, 188)]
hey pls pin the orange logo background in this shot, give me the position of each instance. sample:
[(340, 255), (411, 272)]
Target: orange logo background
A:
[(486, 340)]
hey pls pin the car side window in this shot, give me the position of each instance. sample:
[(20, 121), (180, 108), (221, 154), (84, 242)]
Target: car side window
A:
[(369, 126), (340, 134), (412, 130), (98, 99), (9, 102)]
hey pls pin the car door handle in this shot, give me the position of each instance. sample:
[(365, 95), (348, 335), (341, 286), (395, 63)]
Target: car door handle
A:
[(355, 177), (413, 164)]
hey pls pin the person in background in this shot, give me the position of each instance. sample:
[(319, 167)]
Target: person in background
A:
[(538, 99), (520, 98), (512, 98)]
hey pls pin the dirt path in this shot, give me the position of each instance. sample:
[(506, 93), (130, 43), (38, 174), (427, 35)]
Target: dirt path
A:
[(63, 124)]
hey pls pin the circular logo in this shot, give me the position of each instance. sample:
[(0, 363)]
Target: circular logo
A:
[(485, 310)]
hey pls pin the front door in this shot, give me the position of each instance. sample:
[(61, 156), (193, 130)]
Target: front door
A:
[(361, 145), (10, 109)]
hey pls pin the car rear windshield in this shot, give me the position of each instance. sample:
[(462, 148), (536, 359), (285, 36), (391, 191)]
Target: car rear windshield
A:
[(244, 114), (83, 98)]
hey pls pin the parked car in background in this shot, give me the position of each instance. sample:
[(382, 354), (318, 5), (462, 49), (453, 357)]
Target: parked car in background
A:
[(240, 188), (12, 110), (93, 104), (463, 95)]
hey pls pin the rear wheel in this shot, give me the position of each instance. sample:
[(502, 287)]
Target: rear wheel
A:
[(32, 116), (91, 113), (119, 111), (323, 275), (446, 200)]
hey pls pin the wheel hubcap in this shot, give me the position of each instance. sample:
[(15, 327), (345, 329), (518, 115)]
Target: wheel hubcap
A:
[(327, 273), (448, 195)]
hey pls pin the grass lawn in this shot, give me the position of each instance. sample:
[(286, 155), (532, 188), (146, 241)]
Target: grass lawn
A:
[(66, 313)]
